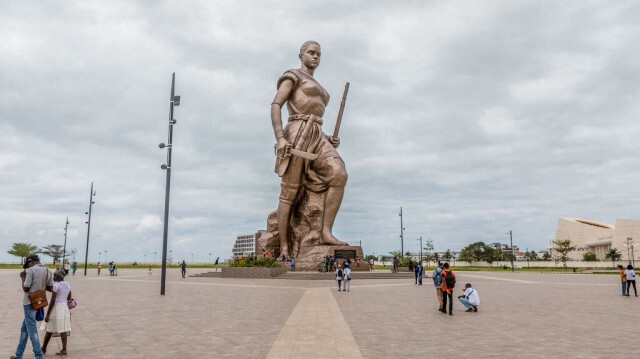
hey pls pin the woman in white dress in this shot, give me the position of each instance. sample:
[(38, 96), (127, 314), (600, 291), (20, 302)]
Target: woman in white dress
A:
[(58, 319)]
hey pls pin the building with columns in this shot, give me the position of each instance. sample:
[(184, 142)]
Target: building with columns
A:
[(599, 238)]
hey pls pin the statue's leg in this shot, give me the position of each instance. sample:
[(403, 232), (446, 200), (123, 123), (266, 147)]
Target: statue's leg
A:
[(337, 180), (288, 192), (284, 213), (332, 203)]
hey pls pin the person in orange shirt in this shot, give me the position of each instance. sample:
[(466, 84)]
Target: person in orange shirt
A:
[(623, 277), (448, 282)]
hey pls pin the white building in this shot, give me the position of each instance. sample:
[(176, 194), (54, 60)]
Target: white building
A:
[(599, 238), (245, 245)]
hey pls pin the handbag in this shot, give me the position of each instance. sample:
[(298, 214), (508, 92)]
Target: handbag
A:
[(40, 315), (39, 298), (71, 303)]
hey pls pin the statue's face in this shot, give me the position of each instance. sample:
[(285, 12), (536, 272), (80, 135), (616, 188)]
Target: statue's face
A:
[(311, 56)]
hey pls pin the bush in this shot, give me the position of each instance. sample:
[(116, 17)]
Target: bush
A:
[(251, 262), (134, 264), (589, 257)]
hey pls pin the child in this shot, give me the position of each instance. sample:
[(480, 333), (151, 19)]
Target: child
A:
[(347, 278), (149, 270), (339, 277)]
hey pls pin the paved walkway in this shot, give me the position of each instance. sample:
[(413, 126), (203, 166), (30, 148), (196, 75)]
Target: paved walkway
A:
[(521, 316)]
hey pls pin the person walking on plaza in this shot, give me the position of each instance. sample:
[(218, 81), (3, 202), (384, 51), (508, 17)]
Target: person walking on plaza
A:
[(396, 263), (339, 276), (623, 278), (324, 264), (34, 277), (183, 268), (631, 279), (58, 319), (420, 268), (149, 270), (371, 265), (437, 282), (293, 264), (347, 278), (217, 261), (99, 267), (74, 267), (470, 299), (416, 270), (448, 283)]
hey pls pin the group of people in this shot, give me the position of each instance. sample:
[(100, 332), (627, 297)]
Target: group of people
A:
[(444, 280), (113, 271), (57, 321), (628, 278), (343, 276)]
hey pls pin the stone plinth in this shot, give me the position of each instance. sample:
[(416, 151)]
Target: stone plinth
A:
[(252, 272), (305, 235)]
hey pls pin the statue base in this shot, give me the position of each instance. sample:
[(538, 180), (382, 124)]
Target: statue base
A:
[(305, 228)]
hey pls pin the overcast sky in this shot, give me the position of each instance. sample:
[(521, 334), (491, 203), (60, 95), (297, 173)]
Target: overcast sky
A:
[(477, 117)]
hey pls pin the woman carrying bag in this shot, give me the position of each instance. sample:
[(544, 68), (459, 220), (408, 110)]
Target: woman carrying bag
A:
[(58, 319)]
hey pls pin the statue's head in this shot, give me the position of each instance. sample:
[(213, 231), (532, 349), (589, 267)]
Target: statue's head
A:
[(310, 54)]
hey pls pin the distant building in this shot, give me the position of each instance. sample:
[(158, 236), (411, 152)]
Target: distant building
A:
[(599, 238), (245, 245)]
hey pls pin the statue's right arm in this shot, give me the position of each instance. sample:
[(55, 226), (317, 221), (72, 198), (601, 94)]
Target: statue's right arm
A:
[(284, 91)]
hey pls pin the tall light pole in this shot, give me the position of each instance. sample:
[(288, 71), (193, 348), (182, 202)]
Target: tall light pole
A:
[(420, 239), (154, 257), (64, 249), (173, 101), (92, 193), (401, 234), (527, 255), (105, 256), (511, 236)]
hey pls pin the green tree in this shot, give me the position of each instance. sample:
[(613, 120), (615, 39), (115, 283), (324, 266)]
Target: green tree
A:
[(368, 257), (54, 251), (531, 256), (428, 248), (589, 257), (467, 256), (478, 251), (613, 255), (546, 256), (447, 255), (22, 250), (563, 247)]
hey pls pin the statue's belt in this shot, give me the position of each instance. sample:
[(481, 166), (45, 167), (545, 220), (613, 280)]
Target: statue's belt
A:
[(301, 138), (301, 117)]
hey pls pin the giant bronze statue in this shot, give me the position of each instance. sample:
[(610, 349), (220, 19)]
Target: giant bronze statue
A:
[(306, 158)]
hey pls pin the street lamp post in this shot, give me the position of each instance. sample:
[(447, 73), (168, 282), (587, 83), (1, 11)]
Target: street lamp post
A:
[(64, 248), (154, 257), (420, 239), (173, 101), (401, 234), (88, 222), (105, 256), (145, 259), (99, 254), (511, 236)]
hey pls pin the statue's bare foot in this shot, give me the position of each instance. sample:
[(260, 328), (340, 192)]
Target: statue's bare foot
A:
[(328, 239), (284, 250)]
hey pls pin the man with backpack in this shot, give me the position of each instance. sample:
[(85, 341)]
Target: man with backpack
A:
[(448, 283), (437, 282)]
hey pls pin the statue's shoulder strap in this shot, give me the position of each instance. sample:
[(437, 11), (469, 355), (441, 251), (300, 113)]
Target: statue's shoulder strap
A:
[(293, 75)]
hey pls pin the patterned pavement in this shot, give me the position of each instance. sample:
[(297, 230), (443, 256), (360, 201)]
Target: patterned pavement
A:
[(522, 315)]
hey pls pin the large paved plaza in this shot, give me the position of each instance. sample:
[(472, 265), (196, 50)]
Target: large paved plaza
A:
[(521, 316)]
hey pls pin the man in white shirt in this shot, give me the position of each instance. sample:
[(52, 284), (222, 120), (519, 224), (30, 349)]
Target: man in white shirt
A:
[(470, 299)]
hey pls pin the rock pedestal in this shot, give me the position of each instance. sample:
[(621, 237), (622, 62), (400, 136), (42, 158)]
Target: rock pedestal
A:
[(305, 235)]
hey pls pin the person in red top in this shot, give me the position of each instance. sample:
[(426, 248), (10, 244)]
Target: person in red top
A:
[(448, 282)]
